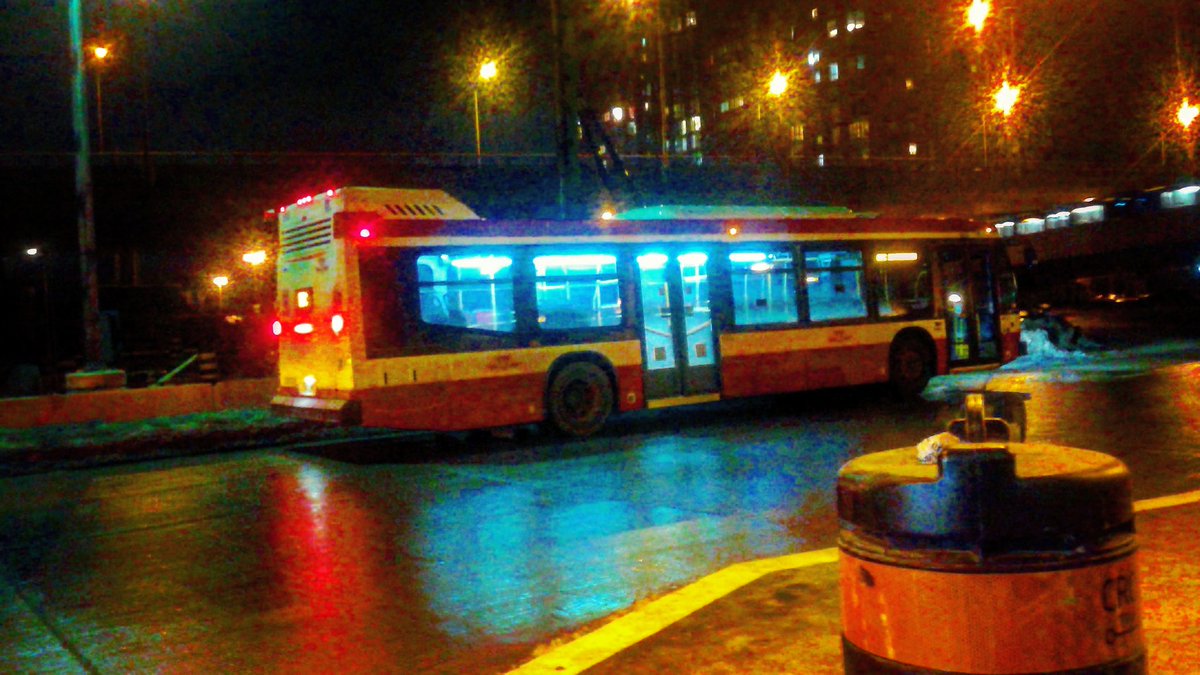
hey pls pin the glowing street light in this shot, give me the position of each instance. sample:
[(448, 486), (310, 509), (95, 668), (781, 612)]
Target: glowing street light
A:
[(777, 85), (1187, 114), (977, 14), (100, 53), (488, 71), (1006, 98), (254, 258), (220, 281)]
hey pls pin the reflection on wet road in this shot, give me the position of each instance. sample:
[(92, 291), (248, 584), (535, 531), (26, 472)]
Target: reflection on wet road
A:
[(461, 561)]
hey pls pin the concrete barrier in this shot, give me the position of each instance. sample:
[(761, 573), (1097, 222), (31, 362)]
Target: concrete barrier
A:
[(129, 405)]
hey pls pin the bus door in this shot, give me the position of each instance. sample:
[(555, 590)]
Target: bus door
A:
[(969, 291), (678, 344)]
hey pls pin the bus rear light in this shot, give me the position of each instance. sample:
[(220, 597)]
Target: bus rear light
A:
[(337, 323), (303, 328), (364, 233), (277, 328)]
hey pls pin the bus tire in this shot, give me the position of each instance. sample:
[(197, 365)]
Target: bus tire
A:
[(910, 366), (579, 399)]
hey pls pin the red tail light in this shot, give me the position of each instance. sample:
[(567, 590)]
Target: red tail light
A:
[(277, 328), (337, 323)]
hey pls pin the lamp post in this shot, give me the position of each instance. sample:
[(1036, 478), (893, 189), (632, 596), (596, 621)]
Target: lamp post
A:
[(487, 72), (38, 256), (220, 281), (100, 53)]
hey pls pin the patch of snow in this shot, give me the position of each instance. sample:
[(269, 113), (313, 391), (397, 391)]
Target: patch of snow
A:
[(1039, 346)]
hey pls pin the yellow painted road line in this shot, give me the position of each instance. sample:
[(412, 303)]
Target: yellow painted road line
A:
[(588, 650), (626, 631), (1192, 497)]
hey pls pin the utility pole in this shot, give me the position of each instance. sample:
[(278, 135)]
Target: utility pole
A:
[(94, 374), (83, 198), (566, 94)]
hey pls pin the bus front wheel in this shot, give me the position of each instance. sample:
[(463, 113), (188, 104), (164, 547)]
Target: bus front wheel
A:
[(579, 399), (910, 367)]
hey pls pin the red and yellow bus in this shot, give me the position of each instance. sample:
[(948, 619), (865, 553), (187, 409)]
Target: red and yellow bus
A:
[(403, 308)]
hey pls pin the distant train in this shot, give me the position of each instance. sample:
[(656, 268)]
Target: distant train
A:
[(1100, 210)]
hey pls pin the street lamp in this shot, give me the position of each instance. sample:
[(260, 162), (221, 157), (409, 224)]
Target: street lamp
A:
[(777, 85), (220, 281), (254, 258), (977, 14), (487, 72), (38, 256), (100, 53), (1006, 98), (1187, 114)]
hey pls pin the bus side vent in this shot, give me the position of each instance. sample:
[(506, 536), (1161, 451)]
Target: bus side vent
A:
[(306, 236), (415, 210)]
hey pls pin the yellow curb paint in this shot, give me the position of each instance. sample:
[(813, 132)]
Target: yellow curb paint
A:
[(588, 650), (626, 631), (1192, 497)]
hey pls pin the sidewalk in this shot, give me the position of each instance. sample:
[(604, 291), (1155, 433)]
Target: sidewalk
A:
[(783, 615)]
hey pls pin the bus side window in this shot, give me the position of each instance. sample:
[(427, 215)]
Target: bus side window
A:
[(903, 286), (763, 286), (577, 290), (468, 288), (834, 279)]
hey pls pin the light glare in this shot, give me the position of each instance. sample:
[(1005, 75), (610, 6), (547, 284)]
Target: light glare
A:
[(778, 84), (1187, 113)]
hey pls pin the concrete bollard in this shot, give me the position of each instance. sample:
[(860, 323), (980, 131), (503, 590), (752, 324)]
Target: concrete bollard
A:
[(999, 558)]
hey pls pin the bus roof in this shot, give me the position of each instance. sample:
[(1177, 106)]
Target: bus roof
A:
[(406, 232), (725, 211)]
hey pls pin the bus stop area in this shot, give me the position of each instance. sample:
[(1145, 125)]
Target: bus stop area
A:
[(783, 615)]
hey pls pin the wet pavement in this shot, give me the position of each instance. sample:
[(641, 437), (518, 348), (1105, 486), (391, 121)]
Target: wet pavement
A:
[(786, 617), (473, 555)]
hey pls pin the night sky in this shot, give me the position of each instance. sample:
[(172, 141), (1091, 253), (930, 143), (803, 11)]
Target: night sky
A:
[(263, 75)]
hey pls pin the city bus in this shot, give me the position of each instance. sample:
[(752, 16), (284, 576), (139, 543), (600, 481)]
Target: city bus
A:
[(403, 308)]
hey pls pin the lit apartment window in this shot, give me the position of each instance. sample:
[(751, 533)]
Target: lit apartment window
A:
[(817, 75), (854, 21), (832, 27), (683, 128), (695, 123), (861, 62), (814, 57), (691, 18), (740, 102), (912, 149), (814, 13), (724, 106), (859, 129), (908, 83), (833, 72)]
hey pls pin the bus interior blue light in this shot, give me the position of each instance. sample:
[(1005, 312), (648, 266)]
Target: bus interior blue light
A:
[(652, 261), (747, 257), (485, 264), (693, 259), (583, 261), (761, 266)]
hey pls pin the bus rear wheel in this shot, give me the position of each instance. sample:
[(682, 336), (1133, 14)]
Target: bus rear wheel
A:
[(910, 367), (579, 400)]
